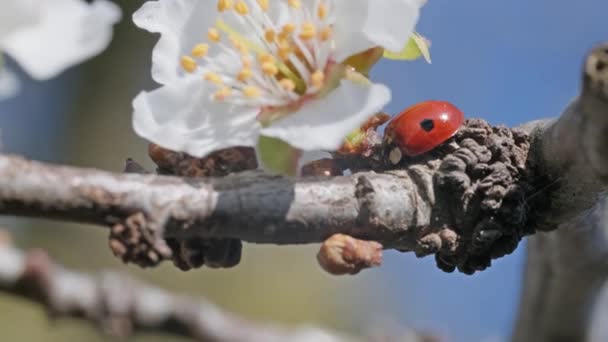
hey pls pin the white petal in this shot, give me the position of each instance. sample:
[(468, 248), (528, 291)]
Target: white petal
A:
[(181, 117), (363, 24), (16, 14), (323, 124), (181, 24), (9, 84), (69, 31)]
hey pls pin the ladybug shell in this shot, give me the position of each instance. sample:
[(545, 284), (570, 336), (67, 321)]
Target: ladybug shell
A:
[(424, 126)]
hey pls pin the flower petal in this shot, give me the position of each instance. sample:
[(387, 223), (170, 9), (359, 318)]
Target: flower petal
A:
[(181, 24), (322, 124), (16, 14), (180, 116), (363, 24), (69, 31), (9, 84)]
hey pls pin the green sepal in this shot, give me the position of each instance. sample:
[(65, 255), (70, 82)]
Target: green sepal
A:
[(416, 47)]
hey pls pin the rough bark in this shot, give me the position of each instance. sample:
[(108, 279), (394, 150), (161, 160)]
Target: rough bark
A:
[(464, 202), (566, 268)]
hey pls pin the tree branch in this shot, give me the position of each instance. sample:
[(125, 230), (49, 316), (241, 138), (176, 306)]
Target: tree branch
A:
[(464, 202), (122, 306), (566, 268), (251, 206)]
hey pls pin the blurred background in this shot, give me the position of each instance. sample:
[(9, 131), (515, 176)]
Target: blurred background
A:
[(505, 61)]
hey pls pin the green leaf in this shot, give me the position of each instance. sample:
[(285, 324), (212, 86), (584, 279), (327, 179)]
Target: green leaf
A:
[(416, 47), (278, 156)]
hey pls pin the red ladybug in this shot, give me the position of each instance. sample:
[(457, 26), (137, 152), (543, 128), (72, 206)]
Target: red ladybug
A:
[(424, 126)]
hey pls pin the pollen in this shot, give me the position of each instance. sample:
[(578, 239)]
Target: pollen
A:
[(213, 35), (287, 84), (188, 64), (241, 7), (267, 61), (322, 11), (308, 31), (269, 35), (294, 3), (239, 45), (317, 78), (244, 74), (269, 69), (265, 58), (287, 30), (246, 61), (263, 4), (224, 5), (222, 94), (213, 78), (284, 51), (325, 34), (200, 50), (251, 92)]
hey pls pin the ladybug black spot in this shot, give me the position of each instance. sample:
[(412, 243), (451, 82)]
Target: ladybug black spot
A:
[(427, 125)]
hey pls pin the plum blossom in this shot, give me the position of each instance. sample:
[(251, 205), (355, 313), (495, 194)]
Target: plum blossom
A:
[(232, 70), (46, 37)]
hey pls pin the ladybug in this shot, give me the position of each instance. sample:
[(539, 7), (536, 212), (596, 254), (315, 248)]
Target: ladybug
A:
[(424, 126)]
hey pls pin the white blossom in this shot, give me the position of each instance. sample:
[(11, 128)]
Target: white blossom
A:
[(45, 37), (231, 70)]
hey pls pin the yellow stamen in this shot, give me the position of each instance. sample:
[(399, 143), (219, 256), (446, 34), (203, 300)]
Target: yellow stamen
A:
[(224, 5), (265, 58), (263, 5), (284, 51), (325, 33), (317, 78), (241, 8), (294, 3), (251, 92), (213, 78), (239, 45), (200, 50), (244, 74), (287, 84), (322, 11), (269, 69), (246, 60), (308, 31), (269, 35), (222, 93), (213, 35), (287, 30), (188, 63)]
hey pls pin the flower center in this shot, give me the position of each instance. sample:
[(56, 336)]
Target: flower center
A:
[(265, 62)]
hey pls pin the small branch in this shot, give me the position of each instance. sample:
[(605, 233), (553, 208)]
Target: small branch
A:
[(465, 202), (251, 206), (122, 306)]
